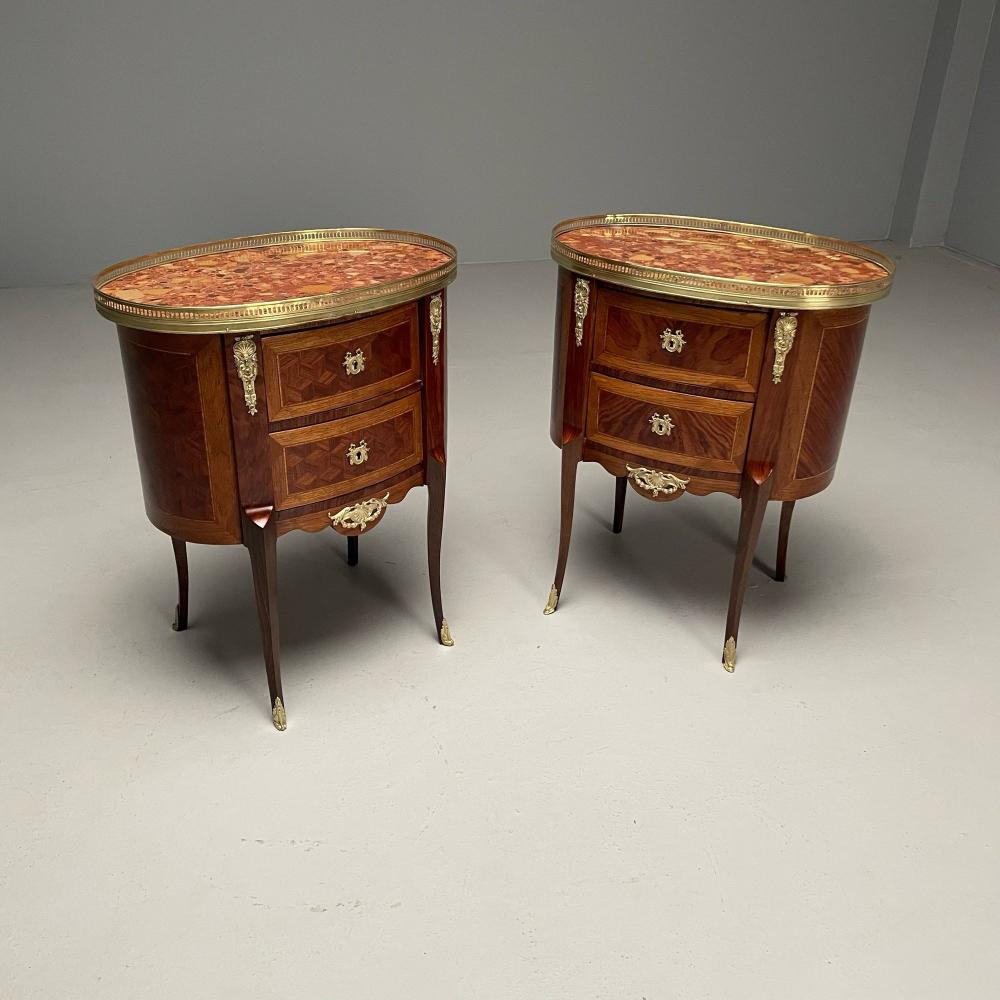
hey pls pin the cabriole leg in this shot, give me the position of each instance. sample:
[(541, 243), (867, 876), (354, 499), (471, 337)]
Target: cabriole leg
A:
[(786, 522), (181, 560), (621, 482), (571, 454), (755, 492), (435, 526), (260, 535)]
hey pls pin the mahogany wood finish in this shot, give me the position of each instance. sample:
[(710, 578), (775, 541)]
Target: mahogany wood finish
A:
[(820, 385), (213, 471), (734, 428), (312, 463), (569, 388), (706, 433), (316, 516), (249, 435), (435, 384), (699, 482), (621, 485), (435, 523), (180, 420), (305, 372), (784, 525), (181, 560), (756, 491), (571, 455), (721, 348), (260, 537)]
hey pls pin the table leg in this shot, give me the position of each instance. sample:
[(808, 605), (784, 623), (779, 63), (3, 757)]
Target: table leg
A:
[(435, 525), (352, 550), (181, 561), (621, 482), (754, 495), (786, 522), (572, 452), (260, 535)]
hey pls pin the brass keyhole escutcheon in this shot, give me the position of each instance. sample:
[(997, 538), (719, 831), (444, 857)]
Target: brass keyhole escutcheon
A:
[(354, 363), (672, 341), (661, 424), (357, 454)]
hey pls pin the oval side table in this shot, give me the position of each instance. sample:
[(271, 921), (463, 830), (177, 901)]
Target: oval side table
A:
[(283, 381), (695, 356)]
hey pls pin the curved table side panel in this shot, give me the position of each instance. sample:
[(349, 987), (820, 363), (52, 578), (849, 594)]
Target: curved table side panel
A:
[(828, 345), (180, 420)]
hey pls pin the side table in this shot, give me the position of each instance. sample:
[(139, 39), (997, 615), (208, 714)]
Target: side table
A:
[(695, 356), (285, 381)]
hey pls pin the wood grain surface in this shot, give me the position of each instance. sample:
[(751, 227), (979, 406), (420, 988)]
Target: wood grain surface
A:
[(176, 388)]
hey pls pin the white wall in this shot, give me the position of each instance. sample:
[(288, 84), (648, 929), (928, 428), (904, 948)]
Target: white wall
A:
[(975, 218), (131, 126)]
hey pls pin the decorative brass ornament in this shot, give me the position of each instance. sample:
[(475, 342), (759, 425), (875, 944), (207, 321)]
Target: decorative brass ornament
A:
[(581, 302), (445, 634), (784, 337), (553, 602), (245, 356), (278, 716), (436, 313), (358, 516), (661, 425), (357, 454), (672, 341), (656, 482), (729, 654), (354, 364)]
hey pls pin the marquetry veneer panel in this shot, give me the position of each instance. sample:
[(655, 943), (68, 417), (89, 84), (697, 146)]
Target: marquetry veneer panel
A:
[(306, 373), (313, 463)]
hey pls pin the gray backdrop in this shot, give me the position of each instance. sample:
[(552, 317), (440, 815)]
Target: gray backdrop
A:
[(975, 217), (131, 126)]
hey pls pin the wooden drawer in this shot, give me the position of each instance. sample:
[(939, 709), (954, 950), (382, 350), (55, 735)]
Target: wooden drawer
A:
[(698, 431), (693, 344), (307, 372), (313, 463)]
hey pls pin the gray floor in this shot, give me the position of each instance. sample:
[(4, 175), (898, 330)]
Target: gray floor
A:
[(585, 805)]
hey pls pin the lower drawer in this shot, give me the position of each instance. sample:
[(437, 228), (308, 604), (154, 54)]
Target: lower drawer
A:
[(326, 460), (696, 431)]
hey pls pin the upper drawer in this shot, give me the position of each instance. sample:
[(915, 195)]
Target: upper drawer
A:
[(338, 456), (674, 427), (695, 344), (333, 366)]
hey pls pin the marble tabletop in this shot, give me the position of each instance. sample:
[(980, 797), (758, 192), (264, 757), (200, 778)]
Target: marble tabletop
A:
[(738, 262), (300, 276)]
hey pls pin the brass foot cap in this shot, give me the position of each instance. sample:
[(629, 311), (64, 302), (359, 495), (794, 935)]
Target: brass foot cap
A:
[(176, 623), (729, 654), (445, 634), (553, 601), (278, 716)]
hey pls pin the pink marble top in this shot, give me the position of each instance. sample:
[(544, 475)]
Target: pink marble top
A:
[(266, 274), (722, 255)]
